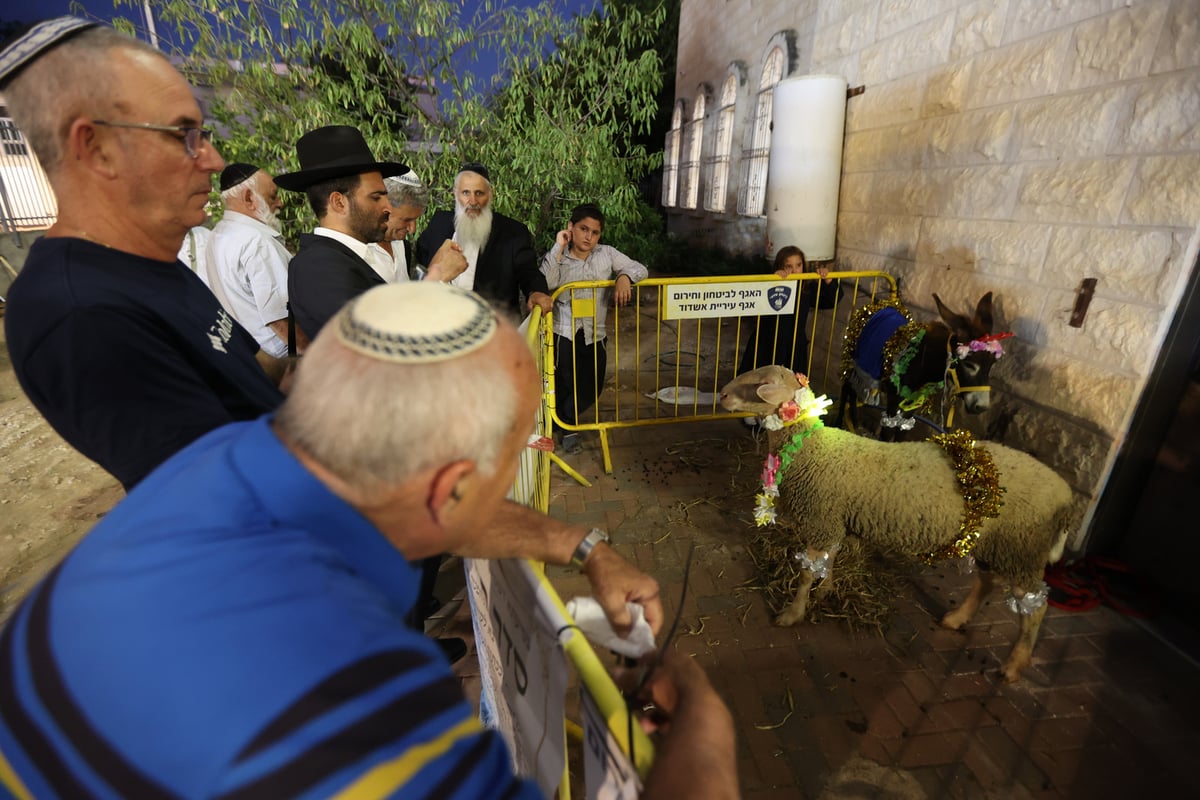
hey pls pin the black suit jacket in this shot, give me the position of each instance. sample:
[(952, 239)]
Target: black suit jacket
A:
[(322, 276), (507, 265)]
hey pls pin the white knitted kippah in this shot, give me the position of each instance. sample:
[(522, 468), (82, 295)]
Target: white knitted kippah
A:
[(416, 322), (409, 179)]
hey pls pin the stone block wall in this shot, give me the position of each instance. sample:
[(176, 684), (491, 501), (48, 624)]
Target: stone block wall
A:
[(1017, 146)]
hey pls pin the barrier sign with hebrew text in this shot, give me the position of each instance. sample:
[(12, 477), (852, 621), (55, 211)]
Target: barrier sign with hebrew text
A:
[(740, 299)]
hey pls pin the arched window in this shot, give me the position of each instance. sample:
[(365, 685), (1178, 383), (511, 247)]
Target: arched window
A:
[(670, 185), (757, 158), (695, 142), (718, 162)]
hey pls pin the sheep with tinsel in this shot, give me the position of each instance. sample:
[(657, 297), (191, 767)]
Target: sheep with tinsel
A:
[(949, 496)]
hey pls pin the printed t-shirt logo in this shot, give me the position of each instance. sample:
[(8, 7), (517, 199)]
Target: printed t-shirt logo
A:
[(220, 332)]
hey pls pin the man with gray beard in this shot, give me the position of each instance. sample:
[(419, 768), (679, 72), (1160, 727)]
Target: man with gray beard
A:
[(501, 263), (246, 262)]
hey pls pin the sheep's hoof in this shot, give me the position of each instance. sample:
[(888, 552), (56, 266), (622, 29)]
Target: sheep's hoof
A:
[(954, 620), (1012, 669), (1009, 675), (789, 618)]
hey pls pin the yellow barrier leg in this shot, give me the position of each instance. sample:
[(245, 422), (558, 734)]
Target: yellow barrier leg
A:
[(564, 786), (567, 468), (607, 452)]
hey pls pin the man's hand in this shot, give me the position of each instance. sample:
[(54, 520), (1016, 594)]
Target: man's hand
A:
[(279, 370), (676, 679), (623, 291), (542, 300), (695, 757), (616, 582), (447, 263)]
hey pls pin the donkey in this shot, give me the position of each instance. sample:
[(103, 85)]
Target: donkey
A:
[(913, 364)]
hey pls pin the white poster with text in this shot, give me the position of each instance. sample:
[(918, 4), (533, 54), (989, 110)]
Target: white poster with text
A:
[(522, 668)]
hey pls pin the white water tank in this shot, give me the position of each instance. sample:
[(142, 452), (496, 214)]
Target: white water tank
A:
[(809, 119)]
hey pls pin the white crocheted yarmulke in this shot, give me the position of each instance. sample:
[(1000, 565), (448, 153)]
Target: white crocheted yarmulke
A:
[(416, 322)]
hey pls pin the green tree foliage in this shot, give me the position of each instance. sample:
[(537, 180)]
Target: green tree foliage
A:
[(556, 123)]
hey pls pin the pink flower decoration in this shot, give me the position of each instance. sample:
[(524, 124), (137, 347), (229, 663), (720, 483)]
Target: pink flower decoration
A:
[(800, 376), (989, 343), (789, 411), (770, 468)]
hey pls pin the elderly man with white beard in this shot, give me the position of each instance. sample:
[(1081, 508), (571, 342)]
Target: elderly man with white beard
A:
[(246, 259), (501, 263)]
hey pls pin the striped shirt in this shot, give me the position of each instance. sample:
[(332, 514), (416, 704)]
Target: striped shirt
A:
[(233, 629)]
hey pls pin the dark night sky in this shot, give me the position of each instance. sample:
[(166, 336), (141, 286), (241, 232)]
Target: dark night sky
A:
[(26, 11)]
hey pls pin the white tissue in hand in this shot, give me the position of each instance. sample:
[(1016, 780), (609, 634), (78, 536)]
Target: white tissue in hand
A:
[(589, 616)]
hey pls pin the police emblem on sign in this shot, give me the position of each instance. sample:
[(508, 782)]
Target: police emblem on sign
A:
[(778, 296)]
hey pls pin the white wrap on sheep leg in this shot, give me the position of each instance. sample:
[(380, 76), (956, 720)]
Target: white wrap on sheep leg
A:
[(815, 565)]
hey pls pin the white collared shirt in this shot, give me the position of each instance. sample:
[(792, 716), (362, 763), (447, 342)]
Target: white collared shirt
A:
[(466, 279), (392, 267), (246, 267), (359, 249)]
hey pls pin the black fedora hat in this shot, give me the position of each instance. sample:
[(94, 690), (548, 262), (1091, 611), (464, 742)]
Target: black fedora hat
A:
[(334, 151)]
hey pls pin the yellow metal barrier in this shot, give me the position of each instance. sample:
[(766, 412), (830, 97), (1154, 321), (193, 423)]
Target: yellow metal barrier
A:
[(532, 487), (679, 341)]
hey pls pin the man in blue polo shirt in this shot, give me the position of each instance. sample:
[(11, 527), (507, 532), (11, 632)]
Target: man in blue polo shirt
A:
[(236, 626), (121, 347)]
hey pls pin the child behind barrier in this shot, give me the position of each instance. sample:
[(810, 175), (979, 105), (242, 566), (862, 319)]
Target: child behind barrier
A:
[(580, 355)]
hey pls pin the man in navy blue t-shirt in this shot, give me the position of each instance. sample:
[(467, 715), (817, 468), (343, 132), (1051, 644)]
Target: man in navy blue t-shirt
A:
[(123, 349)]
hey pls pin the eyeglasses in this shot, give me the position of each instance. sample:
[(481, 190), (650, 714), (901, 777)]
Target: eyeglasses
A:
[(191, 136)]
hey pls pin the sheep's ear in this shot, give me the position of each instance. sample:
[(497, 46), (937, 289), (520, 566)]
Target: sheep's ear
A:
[(775, 394)]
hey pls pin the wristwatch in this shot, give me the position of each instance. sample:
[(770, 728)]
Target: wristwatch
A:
[(594, 537)]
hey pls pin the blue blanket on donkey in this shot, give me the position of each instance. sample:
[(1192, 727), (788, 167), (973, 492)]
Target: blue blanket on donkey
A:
[(868, 352)]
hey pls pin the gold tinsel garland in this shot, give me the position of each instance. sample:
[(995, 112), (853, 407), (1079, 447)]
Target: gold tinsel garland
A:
[(979, 483)]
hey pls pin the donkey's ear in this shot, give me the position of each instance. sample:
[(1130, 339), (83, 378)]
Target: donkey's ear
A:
[(959, 325), (983, 313), (775, 394)]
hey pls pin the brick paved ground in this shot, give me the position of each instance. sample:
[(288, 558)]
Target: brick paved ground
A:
[(1106, 710)]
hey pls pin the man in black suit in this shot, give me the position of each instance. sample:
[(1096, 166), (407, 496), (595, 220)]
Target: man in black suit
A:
[(335, 263), (344, 185), (501, 263)]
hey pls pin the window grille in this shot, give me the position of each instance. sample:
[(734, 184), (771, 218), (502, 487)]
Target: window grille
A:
[(718, 166), (691, 167), (670, 185), (754, 194)]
